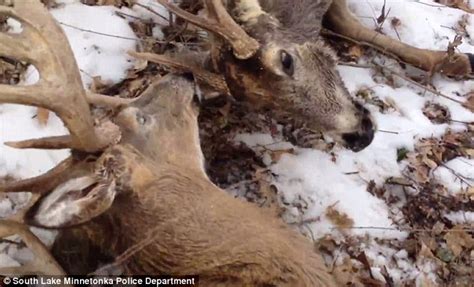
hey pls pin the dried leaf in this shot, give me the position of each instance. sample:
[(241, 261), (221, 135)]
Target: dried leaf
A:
[(338, 218), (459, 4), (458, 239), (438, 114), (327, 244), (97, 84), (469, 104), (395, 22), (277, 154), (425, 253), (355, 52), (438, 228)]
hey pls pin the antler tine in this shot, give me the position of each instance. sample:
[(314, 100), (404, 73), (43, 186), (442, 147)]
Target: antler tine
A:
[(215, 81), (43, 44), (222, 24), (44, 182)]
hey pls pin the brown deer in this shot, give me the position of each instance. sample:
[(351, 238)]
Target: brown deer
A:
[(137, 185), (271, 54)]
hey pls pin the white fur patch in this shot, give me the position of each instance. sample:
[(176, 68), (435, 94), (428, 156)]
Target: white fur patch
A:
[(249, 10), (67, 205), (56, 209)]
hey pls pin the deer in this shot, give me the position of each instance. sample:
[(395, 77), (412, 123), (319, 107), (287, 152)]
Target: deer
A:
[(135, 181), (272, 55)]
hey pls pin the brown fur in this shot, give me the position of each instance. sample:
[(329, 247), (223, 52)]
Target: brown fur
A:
[(314, 93), (182, 222)]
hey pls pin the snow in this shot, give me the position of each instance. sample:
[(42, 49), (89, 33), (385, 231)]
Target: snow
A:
[(461, 217), (309, 178), (96, 54), (459, 180), (160, 17)]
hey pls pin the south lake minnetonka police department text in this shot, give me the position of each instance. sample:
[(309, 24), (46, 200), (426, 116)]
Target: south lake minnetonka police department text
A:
[(103, 281)]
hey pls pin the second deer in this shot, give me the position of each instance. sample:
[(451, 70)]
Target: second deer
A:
[(272, 55)]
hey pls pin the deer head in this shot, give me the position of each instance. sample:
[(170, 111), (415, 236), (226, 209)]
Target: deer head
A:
[(281, 64), (159, 128)]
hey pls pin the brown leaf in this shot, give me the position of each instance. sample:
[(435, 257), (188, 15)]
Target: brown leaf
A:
[(436, 113), (277, 154), (355, 52), (97, 84), (429, 162), (338, 218), (458, 239), (327, 244), (469, 104), (459, 4), (438, 228), (396, 22), (425, 253)]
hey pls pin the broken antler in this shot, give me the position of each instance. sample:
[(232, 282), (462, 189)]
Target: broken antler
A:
[(220, 23)]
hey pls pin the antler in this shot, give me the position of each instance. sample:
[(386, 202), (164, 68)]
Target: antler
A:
[(43, 263), (43, 44), (448, 63), (215, 81), (220, 23)]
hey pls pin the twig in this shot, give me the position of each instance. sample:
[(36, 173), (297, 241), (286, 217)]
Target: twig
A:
[(404, 78), (152, 11), (461, 177), (431, 5), (388, 132), (461, 122), (120, 13), (99, 33)]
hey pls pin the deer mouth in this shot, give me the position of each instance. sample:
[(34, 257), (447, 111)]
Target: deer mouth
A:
[(359, 140)]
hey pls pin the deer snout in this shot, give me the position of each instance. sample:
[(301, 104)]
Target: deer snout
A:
[(360, 139)]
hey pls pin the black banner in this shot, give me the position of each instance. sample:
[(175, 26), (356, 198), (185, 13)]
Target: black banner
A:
[(99, 281)]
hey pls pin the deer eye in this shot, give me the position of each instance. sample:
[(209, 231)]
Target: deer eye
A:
[(141, 119), (287, 63)]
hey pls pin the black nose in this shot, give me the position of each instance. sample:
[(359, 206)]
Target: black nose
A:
[(357, 141)]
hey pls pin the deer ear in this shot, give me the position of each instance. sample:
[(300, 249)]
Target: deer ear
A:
[(74, 202)]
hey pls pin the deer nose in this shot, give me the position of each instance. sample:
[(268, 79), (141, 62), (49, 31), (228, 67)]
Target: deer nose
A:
[(359, 140)]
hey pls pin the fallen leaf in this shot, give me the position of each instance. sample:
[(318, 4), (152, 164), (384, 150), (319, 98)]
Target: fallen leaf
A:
[(355, 52), (458, 239), (469, 103), (338, 218), (277, 154), (396, 22), (436, 113)]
